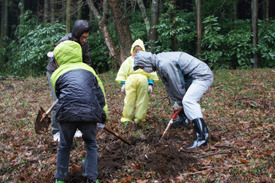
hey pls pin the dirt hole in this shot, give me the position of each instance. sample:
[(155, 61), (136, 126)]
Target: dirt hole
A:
[(146, 158)]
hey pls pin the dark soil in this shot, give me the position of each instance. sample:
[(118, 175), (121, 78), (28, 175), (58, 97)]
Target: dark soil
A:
[(146, 158)]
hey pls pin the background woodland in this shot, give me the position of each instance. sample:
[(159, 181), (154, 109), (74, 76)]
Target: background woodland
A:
[(236, 34)]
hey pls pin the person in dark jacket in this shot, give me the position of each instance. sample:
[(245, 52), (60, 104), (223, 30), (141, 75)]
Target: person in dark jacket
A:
[(177, 70), (80, 33), (81, 105)]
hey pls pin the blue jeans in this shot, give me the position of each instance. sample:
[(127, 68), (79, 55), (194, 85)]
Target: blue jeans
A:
[(67, 131), (54, 124)]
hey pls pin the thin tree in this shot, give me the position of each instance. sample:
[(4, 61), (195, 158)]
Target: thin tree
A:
[(45, 15), (145, 17), (4, 19), (22, 8), (122, 28), (254, 18), (234, 10), (102, 21), (68, 16), (266, 10), (199, 26), (154, 21), (79, 9), (174, 40), (52, 15), (4, 25)]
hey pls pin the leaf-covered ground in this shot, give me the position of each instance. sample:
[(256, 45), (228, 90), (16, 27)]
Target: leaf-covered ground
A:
[(238, 108)]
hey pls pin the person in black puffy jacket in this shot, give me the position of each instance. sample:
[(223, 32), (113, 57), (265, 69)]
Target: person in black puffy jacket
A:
[(81, 105), (80, 33)]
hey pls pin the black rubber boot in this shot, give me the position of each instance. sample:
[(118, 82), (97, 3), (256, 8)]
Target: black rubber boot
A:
[(202, 133), (181, 122)]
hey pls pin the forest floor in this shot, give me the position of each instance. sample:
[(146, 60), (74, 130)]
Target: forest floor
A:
[(237, 108)]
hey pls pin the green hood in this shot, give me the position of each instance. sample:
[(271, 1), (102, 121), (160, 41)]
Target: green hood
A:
[(68, 52)]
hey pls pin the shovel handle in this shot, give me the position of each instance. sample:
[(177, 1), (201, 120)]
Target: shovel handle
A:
[(166, 129), (176, 113), (170, 123), (49, 110), (118, 136), (52, 106)]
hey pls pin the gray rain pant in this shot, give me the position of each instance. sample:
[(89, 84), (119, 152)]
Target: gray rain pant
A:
[(191, 107), (54, 124)]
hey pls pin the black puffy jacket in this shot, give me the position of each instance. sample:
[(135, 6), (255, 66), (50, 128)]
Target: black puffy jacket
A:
[(80, 93)]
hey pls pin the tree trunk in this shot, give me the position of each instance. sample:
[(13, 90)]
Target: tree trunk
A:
[(79, 9), (254, 18), (103, 26), (46, 7), (174, 40), (154, 21), (122, 28), (266, 10), (145, 17), (4, 19), (52, 5), (235, 11), (68, 16), (22, 8), (199, 27)]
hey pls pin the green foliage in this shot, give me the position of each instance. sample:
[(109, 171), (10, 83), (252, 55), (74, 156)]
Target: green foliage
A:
[(212, 42), (173, 22), (234, 48), (3, 51), (266, 42), (31, 44), (137, 26), (100, 59), (219, 8)]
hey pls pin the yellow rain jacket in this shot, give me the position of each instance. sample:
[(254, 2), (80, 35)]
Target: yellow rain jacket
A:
[(136, 87)]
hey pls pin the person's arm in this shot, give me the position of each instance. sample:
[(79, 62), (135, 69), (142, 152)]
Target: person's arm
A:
[(86, 54), (123, 72)]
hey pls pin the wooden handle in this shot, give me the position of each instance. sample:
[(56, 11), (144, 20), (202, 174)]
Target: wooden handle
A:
[(49, 110), (118, 136)]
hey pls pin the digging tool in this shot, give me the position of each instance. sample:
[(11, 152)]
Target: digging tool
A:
[(117, 135), (170, 123), (42, 121)]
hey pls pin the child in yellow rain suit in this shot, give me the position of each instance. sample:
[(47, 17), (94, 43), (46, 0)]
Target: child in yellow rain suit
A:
[(136, 85)]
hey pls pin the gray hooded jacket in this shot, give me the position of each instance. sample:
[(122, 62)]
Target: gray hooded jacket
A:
[(177, 71)]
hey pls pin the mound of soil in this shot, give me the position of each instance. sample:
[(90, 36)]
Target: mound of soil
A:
[(145, 158), (147, 155)]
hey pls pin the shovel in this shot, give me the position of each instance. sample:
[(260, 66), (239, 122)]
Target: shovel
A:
[(170, 123), (117, 135), (42, 121)]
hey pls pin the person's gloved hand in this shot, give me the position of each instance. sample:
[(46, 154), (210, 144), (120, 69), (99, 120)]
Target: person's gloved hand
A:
[(123, 88), (100, 126), (176, 106), (150, 88)]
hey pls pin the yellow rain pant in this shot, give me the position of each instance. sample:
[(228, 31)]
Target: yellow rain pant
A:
[(136, 88)]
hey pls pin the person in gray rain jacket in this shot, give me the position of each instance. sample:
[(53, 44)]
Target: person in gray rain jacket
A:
[(80, 33), (186, 79)]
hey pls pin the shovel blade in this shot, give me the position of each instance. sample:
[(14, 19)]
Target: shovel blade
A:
[(41, 125)]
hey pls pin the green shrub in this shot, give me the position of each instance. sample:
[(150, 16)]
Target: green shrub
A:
[(182, 26), (212, 43), (266, 42), (31, 44), (234, 49), (100, 59)]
